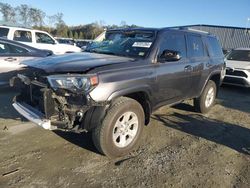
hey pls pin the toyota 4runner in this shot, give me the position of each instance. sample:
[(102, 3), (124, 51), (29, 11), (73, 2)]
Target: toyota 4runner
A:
[(113, 87)]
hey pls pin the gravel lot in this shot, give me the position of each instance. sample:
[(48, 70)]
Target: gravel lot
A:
[(180, 148)]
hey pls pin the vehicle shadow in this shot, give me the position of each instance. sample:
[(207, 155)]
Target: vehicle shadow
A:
[(184, 106), (6, 109), (234, 97), (83, 140), (230, 135)]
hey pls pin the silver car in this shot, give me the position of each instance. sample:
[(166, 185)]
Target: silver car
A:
[(12, 54), (238, 67)]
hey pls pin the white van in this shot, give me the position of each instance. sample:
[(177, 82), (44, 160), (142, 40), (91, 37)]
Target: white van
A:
[(37, 39)]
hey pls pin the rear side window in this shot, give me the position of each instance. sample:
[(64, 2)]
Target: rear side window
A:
[(175, 42), (4, 32), (4, 49), (22, 36), (17, 50), (214, 47), (195, 46), (11, 49)]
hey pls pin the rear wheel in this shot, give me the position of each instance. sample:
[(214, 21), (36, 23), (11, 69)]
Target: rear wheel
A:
[(207, 99), (120, 129)]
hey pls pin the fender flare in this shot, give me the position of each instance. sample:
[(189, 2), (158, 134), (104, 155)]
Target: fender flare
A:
[(209, 78), (126, 91)]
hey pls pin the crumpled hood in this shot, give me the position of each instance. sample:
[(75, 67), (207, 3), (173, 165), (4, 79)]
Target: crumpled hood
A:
[(78, 62), (238, 64)]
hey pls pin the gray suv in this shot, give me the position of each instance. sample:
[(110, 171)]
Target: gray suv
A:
[(113, 87)]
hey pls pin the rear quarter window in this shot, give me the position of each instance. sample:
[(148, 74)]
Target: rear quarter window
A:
[(9, 49), (214, 47), (4, 32)]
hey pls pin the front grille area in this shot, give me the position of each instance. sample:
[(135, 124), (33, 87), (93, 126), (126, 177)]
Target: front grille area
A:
[(39, 98), (236, 81), (236, 73)]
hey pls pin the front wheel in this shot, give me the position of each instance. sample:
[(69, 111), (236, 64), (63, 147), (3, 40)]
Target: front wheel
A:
[(207, 99), (120, 129)]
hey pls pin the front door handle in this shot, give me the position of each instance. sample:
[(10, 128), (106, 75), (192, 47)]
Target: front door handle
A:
[(10, 59), (188, 68)]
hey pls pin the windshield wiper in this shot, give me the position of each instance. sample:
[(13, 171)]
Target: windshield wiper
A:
[(102, 52)]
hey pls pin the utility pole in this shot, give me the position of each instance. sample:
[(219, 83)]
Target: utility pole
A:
[(247, 33), (248, 19)]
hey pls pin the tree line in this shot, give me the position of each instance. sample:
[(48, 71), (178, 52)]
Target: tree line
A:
[(36, 18)]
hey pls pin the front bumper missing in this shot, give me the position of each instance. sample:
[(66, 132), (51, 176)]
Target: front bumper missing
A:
[(33, 115)]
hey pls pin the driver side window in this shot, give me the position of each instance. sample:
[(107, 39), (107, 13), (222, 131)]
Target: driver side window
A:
[(173, 42)]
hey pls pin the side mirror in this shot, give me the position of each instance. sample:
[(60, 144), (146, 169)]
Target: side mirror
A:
[(54, 42), (169, 55)]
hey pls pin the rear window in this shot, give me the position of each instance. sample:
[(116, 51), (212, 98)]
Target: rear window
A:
[(195, 46), (239, 55), (22, 36), (214, 47), (4, 32)]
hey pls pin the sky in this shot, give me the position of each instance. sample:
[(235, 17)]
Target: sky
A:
[(146, 13)]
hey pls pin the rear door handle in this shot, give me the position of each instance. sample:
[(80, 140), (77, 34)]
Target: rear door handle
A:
[(188, 68), (10, 59)]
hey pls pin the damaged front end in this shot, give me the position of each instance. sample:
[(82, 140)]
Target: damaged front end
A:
[(57, 101)]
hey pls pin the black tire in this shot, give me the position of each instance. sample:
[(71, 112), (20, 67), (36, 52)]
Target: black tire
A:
[(200, 102), (102, 135)]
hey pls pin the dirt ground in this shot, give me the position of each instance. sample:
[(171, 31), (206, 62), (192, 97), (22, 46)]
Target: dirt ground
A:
[(180, 148)]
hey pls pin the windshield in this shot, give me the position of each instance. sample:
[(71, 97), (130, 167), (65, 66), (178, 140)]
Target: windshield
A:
[(129, 43), (239, 55)]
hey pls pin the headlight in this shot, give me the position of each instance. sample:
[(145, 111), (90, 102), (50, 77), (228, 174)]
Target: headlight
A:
[(77, 83)]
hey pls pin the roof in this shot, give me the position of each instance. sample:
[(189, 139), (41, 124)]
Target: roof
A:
[(181, 28)]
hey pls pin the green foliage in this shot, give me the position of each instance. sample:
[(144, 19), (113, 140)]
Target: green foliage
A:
[(70, 34), (8, 12), (76, 35), (81, 35)]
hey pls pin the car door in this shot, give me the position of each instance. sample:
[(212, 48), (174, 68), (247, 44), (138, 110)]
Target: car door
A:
[(199, 60), (11, 57), (23, 36), (44, 41), (173, 77)]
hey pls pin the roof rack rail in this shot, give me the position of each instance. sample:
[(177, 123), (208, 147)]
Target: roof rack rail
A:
[(189, 29)]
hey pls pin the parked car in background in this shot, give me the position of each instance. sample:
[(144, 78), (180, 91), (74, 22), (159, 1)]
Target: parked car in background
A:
[(226, 51), (112, 89), (69, 41), (37, 39), (83, 43), (238, 67), (12, 54)]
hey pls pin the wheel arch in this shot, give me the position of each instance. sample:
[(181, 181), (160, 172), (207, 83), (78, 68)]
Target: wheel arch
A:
[(142, 94), (94, 115), (216, 77)]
